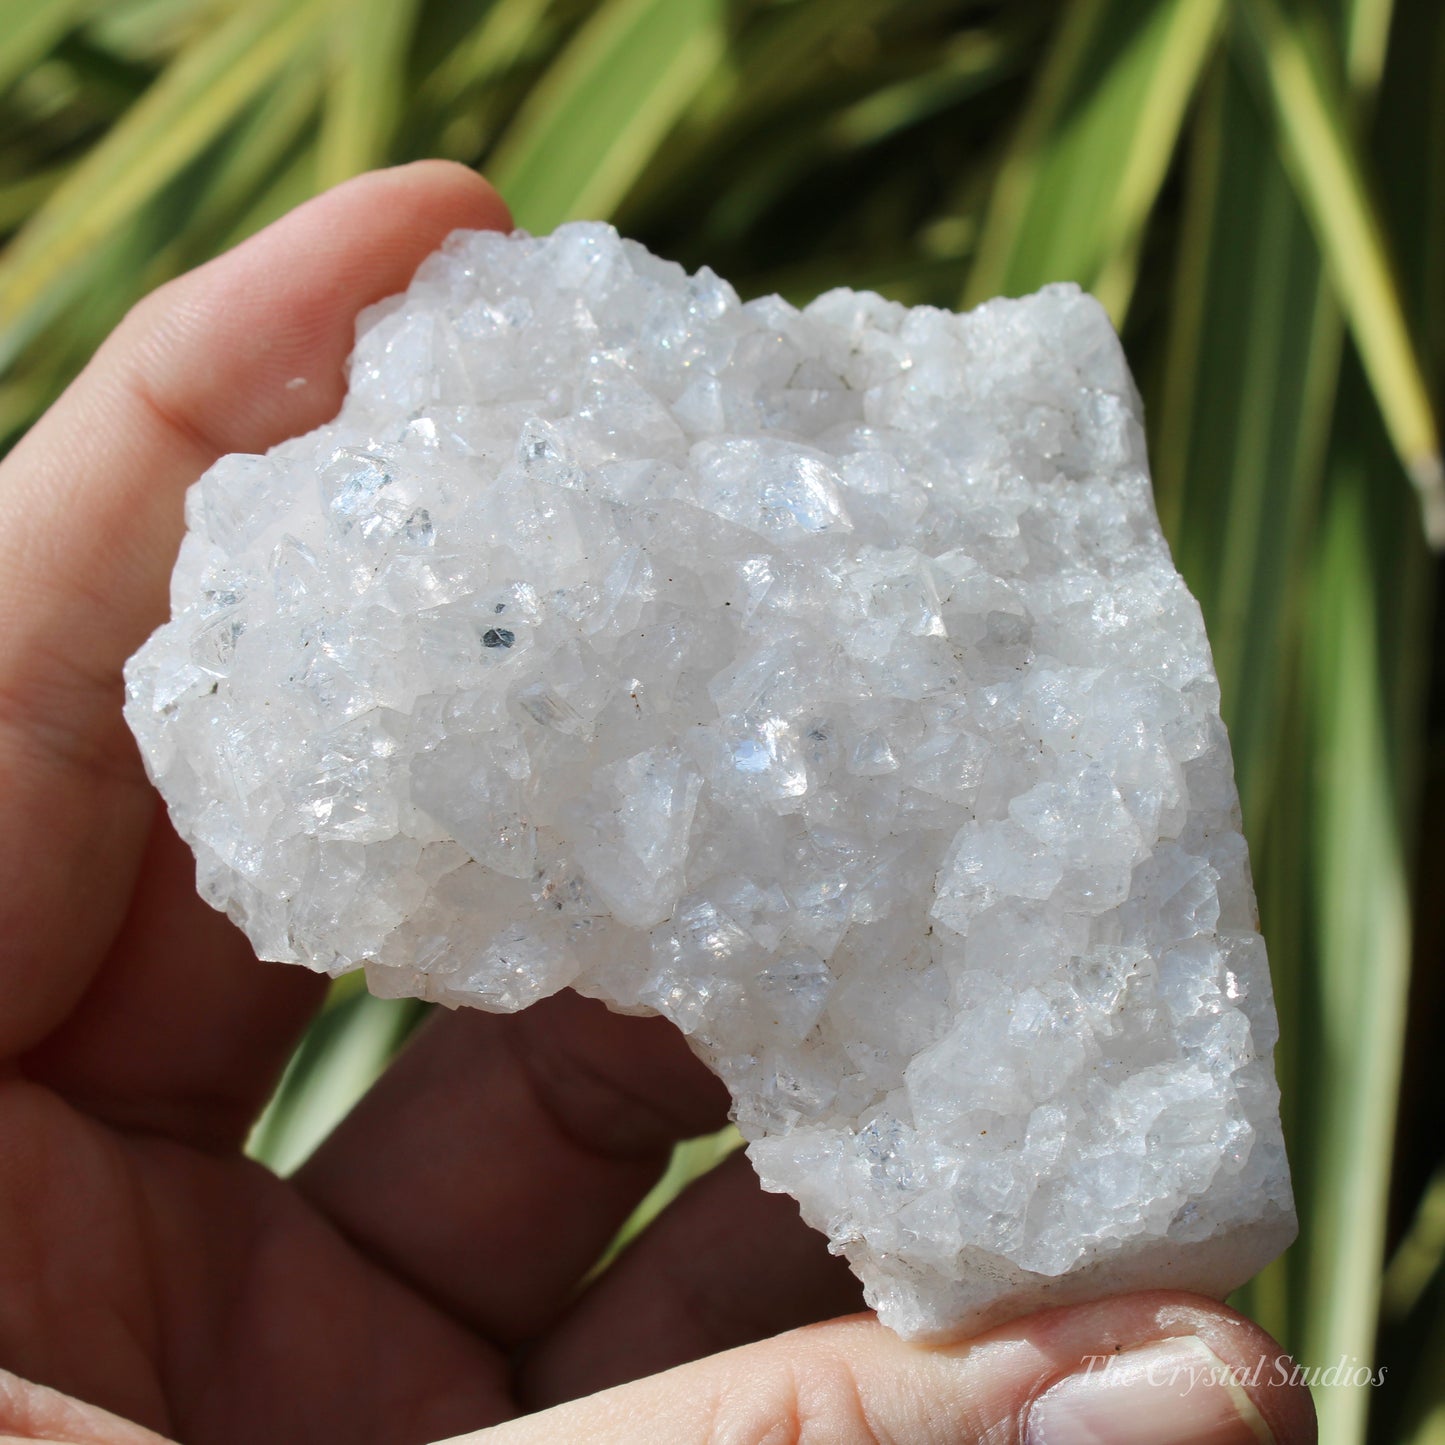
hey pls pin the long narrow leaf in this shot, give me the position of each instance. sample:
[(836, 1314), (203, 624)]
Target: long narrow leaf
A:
[(1419, 1258), (1093, 147), (183, 113), (23, 197), (1239, 444), (770, 57), (495, 43), (1241, 432), (342, 1055), (754, 103), (369, 42), (1313, 125), (286, 189), (256, 149), (690, 1160), (1367, 37), (588, 129), (29, 28), (766, 175), (1369, 602)]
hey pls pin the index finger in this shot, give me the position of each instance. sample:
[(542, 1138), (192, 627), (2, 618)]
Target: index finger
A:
[(236, 356)]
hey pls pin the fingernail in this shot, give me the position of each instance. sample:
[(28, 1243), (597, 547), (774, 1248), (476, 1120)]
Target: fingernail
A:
[(1175, 1392)]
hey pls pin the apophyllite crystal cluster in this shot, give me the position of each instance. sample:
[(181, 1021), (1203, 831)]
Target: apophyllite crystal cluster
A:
[(817, 679)]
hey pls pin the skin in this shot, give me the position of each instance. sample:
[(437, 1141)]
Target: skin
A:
[(419, 1277)]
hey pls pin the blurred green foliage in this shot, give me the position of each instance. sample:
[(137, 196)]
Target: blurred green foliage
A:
[(1255, 188)]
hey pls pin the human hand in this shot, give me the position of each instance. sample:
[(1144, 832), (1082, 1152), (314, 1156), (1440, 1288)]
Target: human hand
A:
[(419, 1275)]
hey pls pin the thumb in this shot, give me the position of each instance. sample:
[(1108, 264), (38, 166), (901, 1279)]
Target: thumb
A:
[(1158, 1369)]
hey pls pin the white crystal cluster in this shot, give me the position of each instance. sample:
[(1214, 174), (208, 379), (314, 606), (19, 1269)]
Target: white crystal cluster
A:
[(819, 680)]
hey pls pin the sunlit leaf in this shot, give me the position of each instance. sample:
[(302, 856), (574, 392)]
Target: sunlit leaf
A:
[(503, 34), (340, 1058), (183, 113), (1239, 445), (368, 42), (1313, 122), (29, 28), (1368, 623), (1092, 148), (586, 132), (692, 1158), (1419, 1259)]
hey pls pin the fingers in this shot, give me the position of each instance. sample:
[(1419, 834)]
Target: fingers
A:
[(197, 1294), (237, 355), (32, 1412), (497, 1157), (182, 1032), (1154, 1369), (724, 1265)]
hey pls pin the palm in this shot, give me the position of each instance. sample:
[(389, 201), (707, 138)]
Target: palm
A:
[(383, 1294), (207, 1299), (419, 1277)]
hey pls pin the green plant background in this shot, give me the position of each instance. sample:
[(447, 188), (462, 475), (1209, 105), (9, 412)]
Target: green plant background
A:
[(1255, 188)]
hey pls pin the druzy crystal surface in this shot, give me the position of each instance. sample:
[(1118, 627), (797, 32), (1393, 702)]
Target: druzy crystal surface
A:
[(819, 680)]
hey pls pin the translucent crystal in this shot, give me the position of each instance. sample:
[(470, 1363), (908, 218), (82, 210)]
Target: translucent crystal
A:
[(819, 680)]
